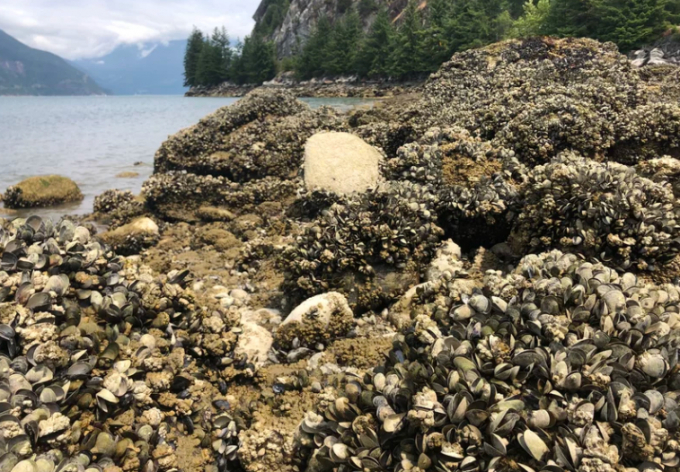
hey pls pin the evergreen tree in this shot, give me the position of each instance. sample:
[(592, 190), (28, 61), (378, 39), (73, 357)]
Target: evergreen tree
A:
[(341, 51), (533, 21), (191, 56), (258, 60), (406, 60), (436, 46), (210, 70), (376, 49), (570, 18), (220, 40), (476, 23), (630, 23), (237, 72), (313, 57)]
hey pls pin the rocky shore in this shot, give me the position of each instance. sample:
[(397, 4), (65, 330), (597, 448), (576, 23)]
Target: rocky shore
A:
[(487, 282), (325, 88)]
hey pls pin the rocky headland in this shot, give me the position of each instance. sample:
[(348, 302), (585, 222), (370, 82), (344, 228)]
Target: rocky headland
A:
[(488, 282)]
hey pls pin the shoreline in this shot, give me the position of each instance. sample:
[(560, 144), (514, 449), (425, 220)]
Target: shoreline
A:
[(314, 89)]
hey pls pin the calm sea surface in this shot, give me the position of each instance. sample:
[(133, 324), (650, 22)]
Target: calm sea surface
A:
[(92, 139)]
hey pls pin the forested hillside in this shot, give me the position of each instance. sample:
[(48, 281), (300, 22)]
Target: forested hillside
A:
[(375, 40)]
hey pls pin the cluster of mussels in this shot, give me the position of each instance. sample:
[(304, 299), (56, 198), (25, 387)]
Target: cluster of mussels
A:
[(560, 365), (103, 366)]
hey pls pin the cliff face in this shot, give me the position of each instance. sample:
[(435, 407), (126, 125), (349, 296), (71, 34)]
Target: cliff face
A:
[(289, 24)]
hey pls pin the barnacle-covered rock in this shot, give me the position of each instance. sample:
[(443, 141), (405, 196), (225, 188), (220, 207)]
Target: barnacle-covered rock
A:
[(541, 96), (605, 211), (542, 376), (369, 247), (317, 319), (117, 207)]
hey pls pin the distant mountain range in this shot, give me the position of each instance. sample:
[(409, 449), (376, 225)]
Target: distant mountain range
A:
[(128, 70), (28, 71)]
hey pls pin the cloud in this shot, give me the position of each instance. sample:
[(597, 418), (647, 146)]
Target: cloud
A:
[(77, 29)]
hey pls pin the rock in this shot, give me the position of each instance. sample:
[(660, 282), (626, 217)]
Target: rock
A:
[(42, 191), (317, 319), (446, 262), (341, 163), (240, 296), (133, 237), (254, 342), (127, 175), (321, 307), (211, 213)]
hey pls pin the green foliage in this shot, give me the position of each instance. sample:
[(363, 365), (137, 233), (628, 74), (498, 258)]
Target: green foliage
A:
[(476, 23), (630, 23), (210, 70), (366, 7), (191, 56), (273, 17), (342, 48), (376, 49), (407, 54), (435, 42), (414, 44), (343, 6), (253, 61), (313, 57), (533, 21)]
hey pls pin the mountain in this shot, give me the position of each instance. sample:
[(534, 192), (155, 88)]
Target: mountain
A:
[(28, 71), (130, 70)]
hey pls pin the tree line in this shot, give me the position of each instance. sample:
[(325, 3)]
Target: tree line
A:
[(419, 40), (210, 60)]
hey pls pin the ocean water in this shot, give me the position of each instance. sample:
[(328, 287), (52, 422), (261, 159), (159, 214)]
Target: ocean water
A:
[(93, 139)]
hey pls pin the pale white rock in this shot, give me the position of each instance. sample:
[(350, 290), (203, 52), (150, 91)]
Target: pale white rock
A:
[(321, 307), (254, 342), (341, 163), (446, 262)]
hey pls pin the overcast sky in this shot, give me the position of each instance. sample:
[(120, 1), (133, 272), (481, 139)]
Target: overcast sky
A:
[(77, 29)]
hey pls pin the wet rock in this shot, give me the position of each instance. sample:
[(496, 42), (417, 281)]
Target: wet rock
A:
[(127, 175), (42, 191), (341, 163)]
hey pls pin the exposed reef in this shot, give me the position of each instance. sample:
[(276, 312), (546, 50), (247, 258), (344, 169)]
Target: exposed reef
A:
[(504, 298)]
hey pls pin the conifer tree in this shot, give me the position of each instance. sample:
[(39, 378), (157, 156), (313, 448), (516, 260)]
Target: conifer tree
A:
[(406, 60), (341, 50), (210, 71), (630, 23), (570, 18), (533, 21), (436, 48), (191, 55), (476, 23), (313, 55), (376, 49), (220, 40)]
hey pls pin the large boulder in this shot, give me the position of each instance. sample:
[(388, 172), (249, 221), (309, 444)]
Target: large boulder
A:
[(340, 163), (42, 191)]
